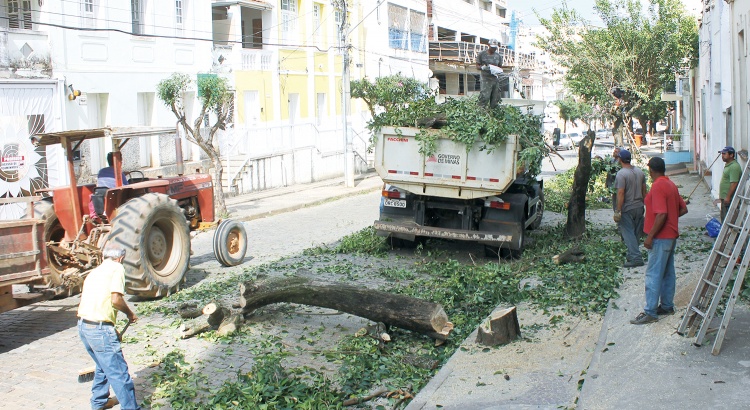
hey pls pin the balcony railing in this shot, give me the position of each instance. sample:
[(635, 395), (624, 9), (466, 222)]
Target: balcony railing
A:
[(466, 53), (238, 58)]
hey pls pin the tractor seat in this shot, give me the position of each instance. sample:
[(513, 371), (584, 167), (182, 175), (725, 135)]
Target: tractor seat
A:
[(97, 199)]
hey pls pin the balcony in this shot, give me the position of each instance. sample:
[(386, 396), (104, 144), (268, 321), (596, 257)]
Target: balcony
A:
[(466, 53), (25, 53), (228, 58)]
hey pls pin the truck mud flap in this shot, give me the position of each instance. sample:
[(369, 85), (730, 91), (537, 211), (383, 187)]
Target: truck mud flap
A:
[(444, 233)]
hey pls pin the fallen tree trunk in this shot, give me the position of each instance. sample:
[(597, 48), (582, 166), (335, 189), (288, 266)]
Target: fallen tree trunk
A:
[(396, 310)]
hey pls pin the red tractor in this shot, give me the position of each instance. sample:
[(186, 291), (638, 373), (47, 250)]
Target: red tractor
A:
[(150, 218)]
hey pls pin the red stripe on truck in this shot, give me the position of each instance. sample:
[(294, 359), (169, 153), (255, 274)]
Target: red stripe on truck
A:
[(413, 173), (428, 174), (456, 176), (392, 171), (471, 178), (494, 180)]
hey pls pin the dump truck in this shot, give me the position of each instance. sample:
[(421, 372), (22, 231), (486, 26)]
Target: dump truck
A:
[(473, 194), (53, 249)]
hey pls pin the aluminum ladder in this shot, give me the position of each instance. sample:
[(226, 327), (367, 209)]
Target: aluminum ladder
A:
[(727, 257)]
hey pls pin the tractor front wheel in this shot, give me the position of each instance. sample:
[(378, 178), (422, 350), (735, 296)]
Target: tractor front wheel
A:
[(154, 232)]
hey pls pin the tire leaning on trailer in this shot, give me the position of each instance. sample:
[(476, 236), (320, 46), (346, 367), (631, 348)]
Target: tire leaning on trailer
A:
[(155, 234), (230, 242)]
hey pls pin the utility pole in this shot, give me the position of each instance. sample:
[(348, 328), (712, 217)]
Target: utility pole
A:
[(346, 96)]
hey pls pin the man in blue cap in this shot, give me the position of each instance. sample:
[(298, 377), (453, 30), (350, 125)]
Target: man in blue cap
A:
[(729, 180), (630, 183)]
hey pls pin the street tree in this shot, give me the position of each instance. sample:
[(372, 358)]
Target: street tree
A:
[(620, 68), (624, 65), (215, 97)]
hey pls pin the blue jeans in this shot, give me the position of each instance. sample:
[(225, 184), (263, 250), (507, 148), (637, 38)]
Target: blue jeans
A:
[(630, 226), (660, 276), (111, 369)]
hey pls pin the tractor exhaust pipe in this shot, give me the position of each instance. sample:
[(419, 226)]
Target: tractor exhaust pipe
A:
[(179, 164)]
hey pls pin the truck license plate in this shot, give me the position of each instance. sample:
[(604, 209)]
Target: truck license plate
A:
[(396, 203)]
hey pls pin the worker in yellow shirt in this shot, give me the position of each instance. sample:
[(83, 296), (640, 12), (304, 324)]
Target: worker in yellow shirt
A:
[(101, 298)]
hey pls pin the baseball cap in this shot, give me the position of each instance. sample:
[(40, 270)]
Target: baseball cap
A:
[(493, 42), (625, 155), (657, 164), (727, 149)]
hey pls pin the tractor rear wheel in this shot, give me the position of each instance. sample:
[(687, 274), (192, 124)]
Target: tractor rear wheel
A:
[(154, 232)]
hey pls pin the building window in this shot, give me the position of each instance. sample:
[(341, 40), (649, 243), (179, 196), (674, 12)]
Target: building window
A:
[(500, 11), (288, 20), (136, 7), (19, 14), (178, 13), (407, 30), (417, 28), (87, 14), (398, 31), (317, 24)]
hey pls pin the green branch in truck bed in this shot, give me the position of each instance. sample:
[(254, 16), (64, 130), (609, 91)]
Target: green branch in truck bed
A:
[(398, 101)]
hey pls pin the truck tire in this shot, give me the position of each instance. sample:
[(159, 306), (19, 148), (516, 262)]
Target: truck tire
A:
[(540, 211), (155, 234), (230, 242)]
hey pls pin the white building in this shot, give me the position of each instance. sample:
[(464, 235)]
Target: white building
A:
[(109, 55), (718, 111)]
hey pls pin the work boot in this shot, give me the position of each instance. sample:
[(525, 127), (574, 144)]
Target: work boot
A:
[(663, 312), (644, 318), (111, 402), (632, 264)]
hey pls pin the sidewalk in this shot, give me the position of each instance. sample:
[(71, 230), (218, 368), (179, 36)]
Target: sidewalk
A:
[(607, 363), (261, 204)]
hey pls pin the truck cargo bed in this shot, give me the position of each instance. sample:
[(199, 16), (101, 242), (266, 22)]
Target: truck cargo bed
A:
[(452, 172)]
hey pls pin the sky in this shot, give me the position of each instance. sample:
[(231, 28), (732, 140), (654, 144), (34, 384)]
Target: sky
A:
[(525, 8)]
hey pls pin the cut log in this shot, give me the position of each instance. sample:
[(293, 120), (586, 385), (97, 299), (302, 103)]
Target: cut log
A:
[(409, 313), (230, 325), (216, 313), (501, 328), (188, 332), (189, 311), (571, 255)]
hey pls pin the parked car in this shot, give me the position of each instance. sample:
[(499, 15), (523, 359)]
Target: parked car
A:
[(603, 133), (576, 138), (566, 142)]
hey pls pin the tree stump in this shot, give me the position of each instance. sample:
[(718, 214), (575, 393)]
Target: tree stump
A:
[(501, 328), (409, 313), (216, 313), (189, 311)]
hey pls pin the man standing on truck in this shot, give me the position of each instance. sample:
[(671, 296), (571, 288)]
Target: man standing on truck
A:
[(630, 183), (101, 298), (489, 82)]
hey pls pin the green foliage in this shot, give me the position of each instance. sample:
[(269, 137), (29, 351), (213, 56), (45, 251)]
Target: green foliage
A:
[(397, 101), (170, 90), (572, 110), (637, 53), (213, 92), (272, 386), (176, 382)]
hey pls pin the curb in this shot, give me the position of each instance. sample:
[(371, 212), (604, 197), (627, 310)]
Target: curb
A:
[(591, 370)]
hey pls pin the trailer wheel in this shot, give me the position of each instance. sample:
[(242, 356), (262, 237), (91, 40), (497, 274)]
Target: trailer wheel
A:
[(53, 231), (154, 232), (230, 243)]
